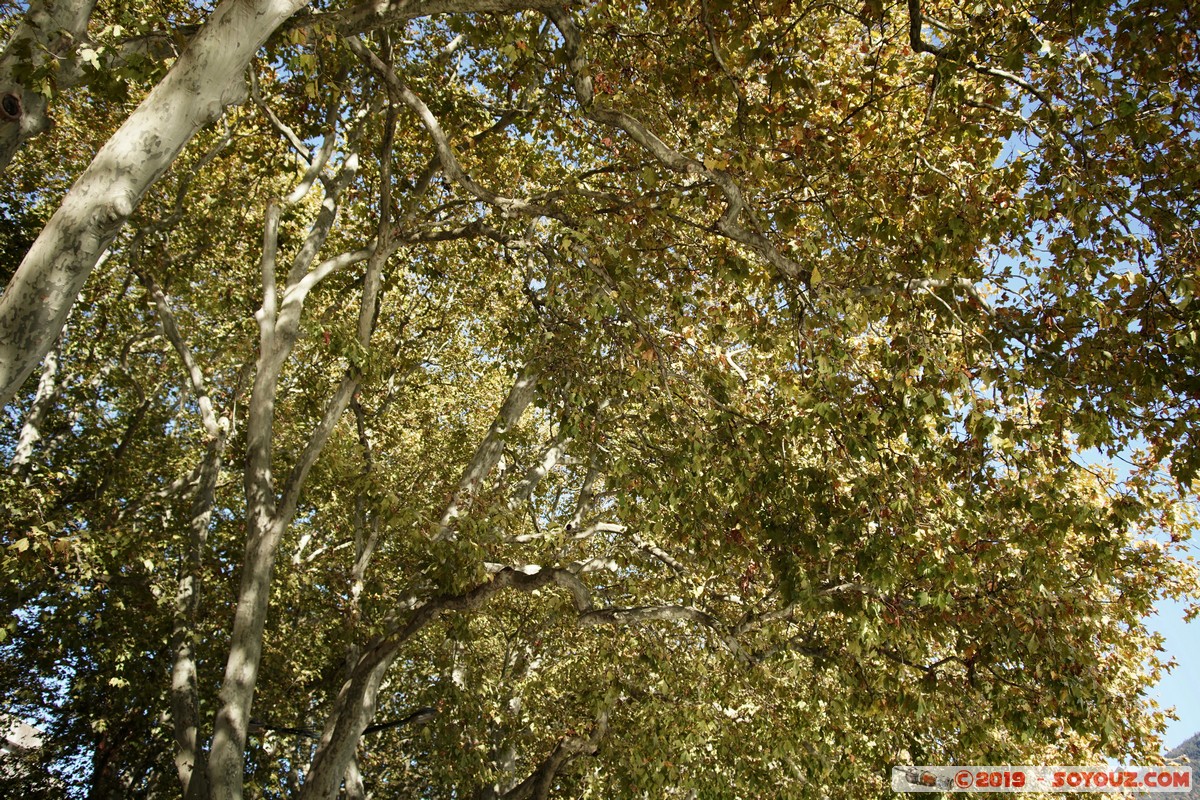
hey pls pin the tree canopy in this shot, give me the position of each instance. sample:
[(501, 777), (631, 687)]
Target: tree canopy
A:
[(524, 399)]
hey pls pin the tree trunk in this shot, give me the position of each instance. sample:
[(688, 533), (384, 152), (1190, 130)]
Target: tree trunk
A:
[(268, 516), (49, 29), (189, 754), (207, 78)]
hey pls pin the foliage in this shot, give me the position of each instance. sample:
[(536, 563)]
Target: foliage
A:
[(688, 399)]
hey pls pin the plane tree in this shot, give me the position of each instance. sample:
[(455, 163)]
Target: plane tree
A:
[(517, 399)]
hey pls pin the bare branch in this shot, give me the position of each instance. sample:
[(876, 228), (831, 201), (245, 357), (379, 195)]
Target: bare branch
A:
[(281, 126), (449, 162), (320, 228), (626, 616), (964, 285), (656, 551), (372, 14), (325, 269), (205, 79), (550, 457), (538, 785)]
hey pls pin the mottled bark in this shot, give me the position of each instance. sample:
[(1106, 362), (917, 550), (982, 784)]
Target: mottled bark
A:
[(35, 419), (48, 31), (185, 713), (268, 515)]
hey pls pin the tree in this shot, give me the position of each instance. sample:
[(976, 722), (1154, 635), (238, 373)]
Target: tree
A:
[(491, 398)]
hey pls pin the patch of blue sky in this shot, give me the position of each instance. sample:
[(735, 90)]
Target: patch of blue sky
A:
[(1178, 689)]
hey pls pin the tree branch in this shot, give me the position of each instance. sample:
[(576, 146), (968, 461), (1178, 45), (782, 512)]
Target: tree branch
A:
[(195, 375), (446, 157), (372, 14), (539, 784), (489, 451), (626, 616), (728, 224), (202, 82), (45, 35), (550, 457)]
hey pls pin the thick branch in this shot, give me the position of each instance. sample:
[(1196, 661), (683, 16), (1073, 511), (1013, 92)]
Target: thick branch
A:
[(918, 44), (489, 451), (48, 32), (266, 520), (205, 79), (319, 230)]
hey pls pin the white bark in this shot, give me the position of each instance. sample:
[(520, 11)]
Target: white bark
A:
[(43, 402), (487, 456), (49, 30), (268, 515), (538, 471), (185, 704), (266, 521), (205, 79)]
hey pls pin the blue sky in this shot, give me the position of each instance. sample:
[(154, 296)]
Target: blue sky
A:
[(1181, 688)]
